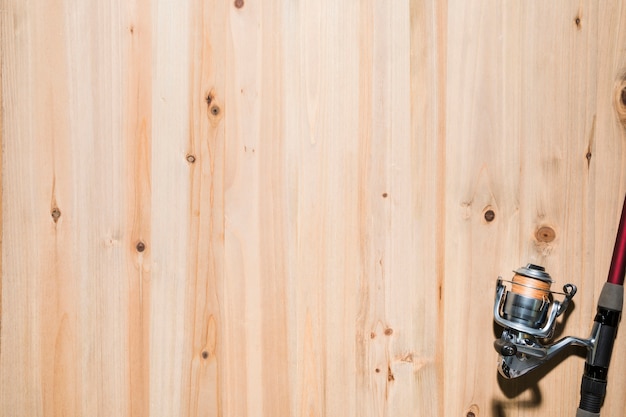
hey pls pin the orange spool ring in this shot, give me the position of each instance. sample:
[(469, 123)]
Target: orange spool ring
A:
[(531, 287)]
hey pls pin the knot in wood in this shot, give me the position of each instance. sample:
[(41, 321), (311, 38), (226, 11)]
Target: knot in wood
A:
[(490, 215), (545, 234), (55, 213), (472, 411)]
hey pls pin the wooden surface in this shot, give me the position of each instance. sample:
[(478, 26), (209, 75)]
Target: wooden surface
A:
[(299, 208)]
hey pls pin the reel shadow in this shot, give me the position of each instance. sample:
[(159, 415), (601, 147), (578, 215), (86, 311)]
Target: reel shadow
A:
[(512, 388)]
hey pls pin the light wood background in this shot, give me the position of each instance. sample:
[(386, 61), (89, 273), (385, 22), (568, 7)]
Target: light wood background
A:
[(278, 208)]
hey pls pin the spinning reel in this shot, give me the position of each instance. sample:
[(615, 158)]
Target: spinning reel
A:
[(527, 309), (527, 312)]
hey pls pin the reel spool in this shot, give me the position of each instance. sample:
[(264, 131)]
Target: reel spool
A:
[(529, 306), (529, 298)]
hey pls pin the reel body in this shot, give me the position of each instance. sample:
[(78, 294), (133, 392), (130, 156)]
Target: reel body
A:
[(527, 311)]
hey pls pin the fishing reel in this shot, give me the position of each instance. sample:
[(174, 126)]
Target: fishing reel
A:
[(527, 309)]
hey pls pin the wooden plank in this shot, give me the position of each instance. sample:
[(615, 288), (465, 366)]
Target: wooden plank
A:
[(275, 219), (171, 206), (137, 26), (479, 151), (74, 164), (399, 171), (419, 262), (201, 381), (321, 139)]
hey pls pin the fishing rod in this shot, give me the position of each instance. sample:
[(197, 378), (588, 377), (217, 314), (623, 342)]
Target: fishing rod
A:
[(527, 309)]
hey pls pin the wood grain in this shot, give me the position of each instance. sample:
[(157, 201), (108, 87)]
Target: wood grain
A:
[(299, 208)]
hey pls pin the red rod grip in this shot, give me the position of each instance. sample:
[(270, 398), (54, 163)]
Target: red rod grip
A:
[(618, 262)]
